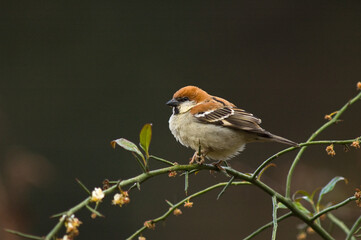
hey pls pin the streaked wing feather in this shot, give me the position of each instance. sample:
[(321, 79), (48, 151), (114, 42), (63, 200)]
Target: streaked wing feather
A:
[(231, 117)]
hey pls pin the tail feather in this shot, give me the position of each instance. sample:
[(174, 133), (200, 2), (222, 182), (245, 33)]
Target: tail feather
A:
[(264, 136), (275, 138)]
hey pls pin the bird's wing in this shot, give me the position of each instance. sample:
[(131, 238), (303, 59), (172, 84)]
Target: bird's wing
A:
[(231, 117), (226, 115)]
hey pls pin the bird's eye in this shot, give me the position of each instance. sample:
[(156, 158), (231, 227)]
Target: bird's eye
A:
[(182, 99)]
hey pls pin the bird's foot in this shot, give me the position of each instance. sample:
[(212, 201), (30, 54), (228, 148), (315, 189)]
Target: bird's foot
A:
[(198, 158), (218, 165), (220, 168)]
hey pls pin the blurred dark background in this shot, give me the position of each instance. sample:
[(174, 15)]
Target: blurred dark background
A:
[(76, 75)]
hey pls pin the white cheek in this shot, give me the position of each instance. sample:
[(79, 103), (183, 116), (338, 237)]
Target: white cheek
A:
[(186, 106)]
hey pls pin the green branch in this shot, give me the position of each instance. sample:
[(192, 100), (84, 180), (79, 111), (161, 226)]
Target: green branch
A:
[(274, 217), (354, 228), (286, 201), (267, 161), (339, 223), (313, 136), (28, 236), (145, 176), (268, 225), (138, 179), (333, 207), (191, 168)]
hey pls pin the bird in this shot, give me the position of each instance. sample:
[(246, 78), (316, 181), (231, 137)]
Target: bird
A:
[(213, 127)]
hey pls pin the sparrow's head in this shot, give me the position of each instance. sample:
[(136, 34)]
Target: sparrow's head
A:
[(186, 98)]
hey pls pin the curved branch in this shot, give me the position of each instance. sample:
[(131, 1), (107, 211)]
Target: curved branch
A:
[(333, 207), (313, 136)]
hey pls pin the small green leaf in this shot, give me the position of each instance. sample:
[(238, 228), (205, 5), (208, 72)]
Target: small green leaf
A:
[(301, 208), (145, 137), (127, 145), (304, 195), (328, 188), (264, 169), (281, 205)]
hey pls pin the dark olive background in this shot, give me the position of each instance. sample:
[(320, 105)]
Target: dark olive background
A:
[(76, 75)]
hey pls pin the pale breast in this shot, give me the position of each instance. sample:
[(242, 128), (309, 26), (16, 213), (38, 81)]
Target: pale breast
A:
[(219, 142)]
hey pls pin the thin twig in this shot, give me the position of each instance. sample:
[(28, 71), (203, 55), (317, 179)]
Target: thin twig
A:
[(286, 201), (24, 235), (267, 161), (339, 223), (274, 217), (94, 211), (225, 187), (176, 205), (268, 225), (333, 207), (186, 182), (83, 186), (354, 228), (162, 160)]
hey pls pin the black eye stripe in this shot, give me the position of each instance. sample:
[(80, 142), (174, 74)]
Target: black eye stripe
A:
[(182, 99)]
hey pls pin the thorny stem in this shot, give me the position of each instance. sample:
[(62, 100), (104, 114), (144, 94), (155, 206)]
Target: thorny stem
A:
[(313, 136)]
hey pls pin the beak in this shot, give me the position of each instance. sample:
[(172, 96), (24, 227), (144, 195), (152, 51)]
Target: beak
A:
[(173, 103)]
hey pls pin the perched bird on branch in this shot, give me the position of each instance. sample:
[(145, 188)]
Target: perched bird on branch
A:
[(214, 125)]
